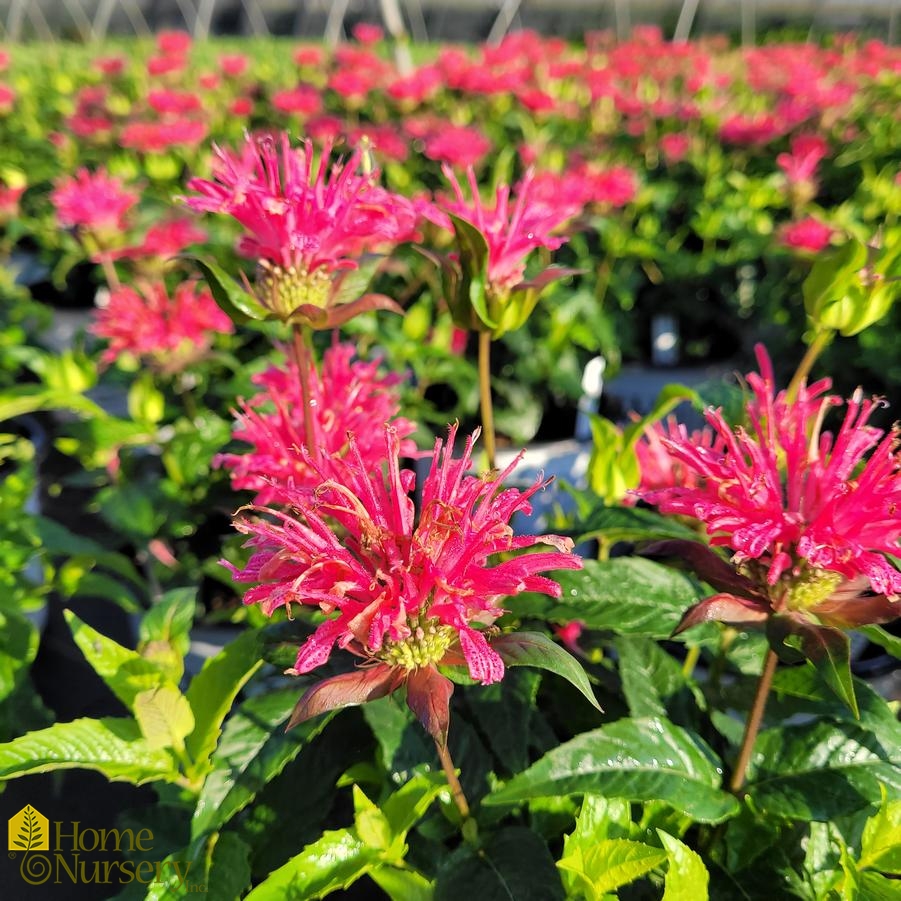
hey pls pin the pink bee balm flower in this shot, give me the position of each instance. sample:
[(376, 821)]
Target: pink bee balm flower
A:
[(807, 151), (807, 234), (801, 510), (659, 468), (517, 223), (348, 397), (169, 333), (163, 240), (96, 202), (402, 594), (304, 223)]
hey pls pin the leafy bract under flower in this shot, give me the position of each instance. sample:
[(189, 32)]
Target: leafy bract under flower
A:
[(401, 593), (349, 397), (802, 510)]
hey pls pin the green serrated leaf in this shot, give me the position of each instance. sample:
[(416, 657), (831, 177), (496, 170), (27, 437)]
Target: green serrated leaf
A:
[(253, 750), (231, 297), (626, 595), (337, 860), (828, 649), (111, 746), (630, 524), (229, 874), (165, 717), (402, 885), (213, 690), (686, 876), (126, 672), (880, 847), (640, 760), (610, 864), (821, 770), (514, 863), (536, 649)]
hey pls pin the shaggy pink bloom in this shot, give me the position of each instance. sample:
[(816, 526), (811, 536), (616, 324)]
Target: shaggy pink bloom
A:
[(9, 201), (7, 98), (233, 65), (241, 107), (166, 65), (806, 234), (659, 468), (110, 65), (348, 397), (367, 34), (305, 222), (675, 147), (613, 187), (400, 594), (304, 100), (457, 145), (807, 151), (311, 57), (164, 240), (809, 508), (173, 43), (163, 100), (168, 333), (155, 137), (513, 227), (94, 201)]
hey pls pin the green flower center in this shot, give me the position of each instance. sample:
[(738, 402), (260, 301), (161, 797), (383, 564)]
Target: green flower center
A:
[(811, 588), (284, 290), (428, 644)]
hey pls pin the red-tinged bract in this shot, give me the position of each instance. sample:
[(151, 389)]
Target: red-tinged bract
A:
[(348, 397)]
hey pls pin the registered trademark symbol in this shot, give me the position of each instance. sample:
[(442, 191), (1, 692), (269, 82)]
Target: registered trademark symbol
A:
[(12, 855)]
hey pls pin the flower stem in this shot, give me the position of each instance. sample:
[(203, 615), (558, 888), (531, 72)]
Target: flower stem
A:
[(691, 660), (109, 272), (485, 396), (302, 359), (456, 789), (814, 349), (755, 717)]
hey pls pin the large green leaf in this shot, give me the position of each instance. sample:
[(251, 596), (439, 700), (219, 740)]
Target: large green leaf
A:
[(822, 770), (686, 877), (610, 864), (630, 524), (880, 845), (253, 750), (828, 649), (650, 676), (627, 595), (402, 885), (112, 746), (165, 717), (514, 864), (229, 873), (335, 861), (638, 759), (536, 649), (213, 690), (126, 672)]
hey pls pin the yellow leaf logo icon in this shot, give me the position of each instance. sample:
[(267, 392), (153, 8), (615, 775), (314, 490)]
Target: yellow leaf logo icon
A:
[(29, 830)]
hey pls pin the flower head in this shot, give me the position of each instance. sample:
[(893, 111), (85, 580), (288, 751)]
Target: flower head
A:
[(303, 222), (801, 510), (516, 224), (168, 333), (401, 593), (807, 234), (348, 397), (96, 202)]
